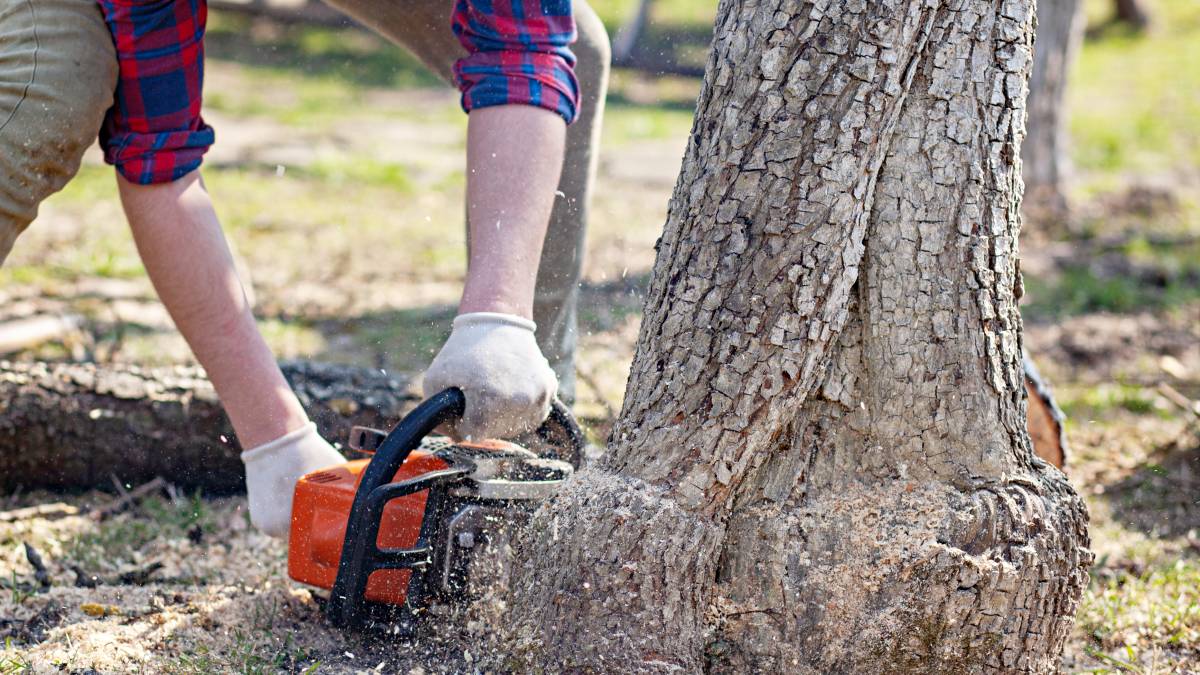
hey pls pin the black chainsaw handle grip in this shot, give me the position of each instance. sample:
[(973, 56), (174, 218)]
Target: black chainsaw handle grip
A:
[(569, 444), (359, 549), (561, 417)]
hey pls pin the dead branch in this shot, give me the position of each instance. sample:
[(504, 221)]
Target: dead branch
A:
[(128, 497), (32, 331), (1183, 402), (53, 511), (139, 576)]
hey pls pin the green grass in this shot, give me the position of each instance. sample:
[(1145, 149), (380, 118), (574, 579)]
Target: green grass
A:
[(1135, 99), (679, 12), (13, 661), (406, 340), (1132, 615), (118, 539), (255, 652), (1164, 280), (344, 171), (346, 56), (1096, 402)]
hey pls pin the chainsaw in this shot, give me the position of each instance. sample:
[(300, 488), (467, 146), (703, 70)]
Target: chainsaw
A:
[(390, 534)]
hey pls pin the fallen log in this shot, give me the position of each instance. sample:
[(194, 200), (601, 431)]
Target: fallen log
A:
[(72, 426), (51, 511)]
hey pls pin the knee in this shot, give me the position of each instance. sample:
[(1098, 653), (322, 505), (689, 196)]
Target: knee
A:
[(593, 51), (54, 118)]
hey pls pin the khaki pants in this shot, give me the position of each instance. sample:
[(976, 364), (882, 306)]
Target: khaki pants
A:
[(58, 72)]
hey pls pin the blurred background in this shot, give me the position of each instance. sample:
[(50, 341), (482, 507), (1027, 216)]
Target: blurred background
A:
[(338, 174)]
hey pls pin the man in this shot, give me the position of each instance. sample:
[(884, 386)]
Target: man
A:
[(131, 71)]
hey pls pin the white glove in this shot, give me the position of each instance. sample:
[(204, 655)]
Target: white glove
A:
[(495, 361), (272, 470)]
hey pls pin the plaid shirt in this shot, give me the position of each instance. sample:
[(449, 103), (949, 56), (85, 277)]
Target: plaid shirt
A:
[(518, 53), (154, 132)]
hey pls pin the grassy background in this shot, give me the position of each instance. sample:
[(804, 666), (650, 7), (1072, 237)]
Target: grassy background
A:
[(333, 141)]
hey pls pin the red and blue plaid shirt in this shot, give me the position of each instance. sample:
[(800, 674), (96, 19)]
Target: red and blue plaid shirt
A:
[(518, 52)]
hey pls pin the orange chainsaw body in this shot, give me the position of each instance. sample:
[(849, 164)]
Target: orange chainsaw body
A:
[(321, 507)]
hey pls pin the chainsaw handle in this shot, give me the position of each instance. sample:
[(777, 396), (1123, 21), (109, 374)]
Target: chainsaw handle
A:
[(569, 445), (360, 552), (362, 525)]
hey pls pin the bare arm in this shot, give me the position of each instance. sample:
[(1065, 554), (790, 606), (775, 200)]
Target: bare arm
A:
[(185, 253), (514, 159)]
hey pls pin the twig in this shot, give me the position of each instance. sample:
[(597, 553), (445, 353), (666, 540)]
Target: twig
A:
[(135, 577), (139, 576), (129, 497), (51, 511), (173, 494), (83, 579), (1174, 396), (39, 567), (112, 477)]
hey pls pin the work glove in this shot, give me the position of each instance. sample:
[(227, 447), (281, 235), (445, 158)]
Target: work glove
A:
[(272, 470), (495, 361)]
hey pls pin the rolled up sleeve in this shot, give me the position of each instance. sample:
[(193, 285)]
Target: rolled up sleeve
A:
[(154, 132), (518, 53)]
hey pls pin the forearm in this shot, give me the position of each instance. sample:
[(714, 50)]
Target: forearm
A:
[(185, 254), (514, 159)]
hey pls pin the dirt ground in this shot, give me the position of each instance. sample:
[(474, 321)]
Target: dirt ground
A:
[(360, 153)]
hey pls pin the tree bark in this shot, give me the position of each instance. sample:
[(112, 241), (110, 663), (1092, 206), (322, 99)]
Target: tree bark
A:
[(821, 463), (74, 426), (1044, 155)]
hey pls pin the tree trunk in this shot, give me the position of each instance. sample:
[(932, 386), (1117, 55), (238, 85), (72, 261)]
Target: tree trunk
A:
[(625, 43), (821, 463), (1044, 155), (1132, 12), (75, 425)]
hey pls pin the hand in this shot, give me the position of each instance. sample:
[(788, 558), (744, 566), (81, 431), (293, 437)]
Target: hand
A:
[(495, 361), (272, 471)]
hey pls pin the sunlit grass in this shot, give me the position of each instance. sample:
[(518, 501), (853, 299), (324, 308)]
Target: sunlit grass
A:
[(1132, 614), (1135, 99), (1084, 404)]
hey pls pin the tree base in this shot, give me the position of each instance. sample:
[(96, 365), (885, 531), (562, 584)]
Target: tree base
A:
[(904, 578), (640, 584)]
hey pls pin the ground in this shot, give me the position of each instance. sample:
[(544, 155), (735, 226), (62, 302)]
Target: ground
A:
[(330, 141)]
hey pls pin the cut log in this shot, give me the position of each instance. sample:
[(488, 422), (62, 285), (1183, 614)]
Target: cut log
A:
[(71, 426), (1043, 418)]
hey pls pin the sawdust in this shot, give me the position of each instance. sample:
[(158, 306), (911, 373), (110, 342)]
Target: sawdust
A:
[(221, 602)]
